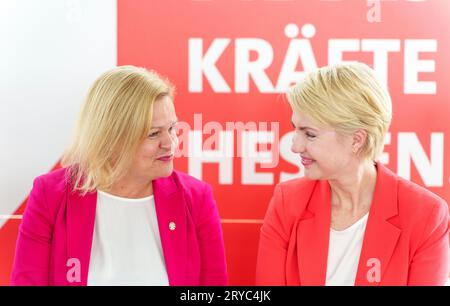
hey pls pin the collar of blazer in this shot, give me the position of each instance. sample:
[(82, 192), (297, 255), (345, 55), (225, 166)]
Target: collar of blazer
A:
[(380, 238), (170, 210)]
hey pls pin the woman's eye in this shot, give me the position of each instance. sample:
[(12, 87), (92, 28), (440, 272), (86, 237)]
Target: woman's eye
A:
[(309, 135), (154, 134)]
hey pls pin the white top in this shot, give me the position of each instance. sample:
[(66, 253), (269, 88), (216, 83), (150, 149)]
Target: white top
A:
[(126, 246), (343, 254)]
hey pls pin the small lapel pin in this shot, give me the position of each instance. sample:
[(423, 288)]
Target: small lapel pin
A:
[(172, 226)]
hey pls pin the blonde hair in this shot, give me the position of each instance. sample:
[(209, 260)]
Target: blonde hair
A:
[(115, 117), (347, 97)]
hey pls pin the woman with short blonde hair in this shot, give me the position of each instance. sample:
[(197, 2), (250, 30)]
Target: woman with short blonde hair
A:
[(117, 213), (350, 220), (348, 97)]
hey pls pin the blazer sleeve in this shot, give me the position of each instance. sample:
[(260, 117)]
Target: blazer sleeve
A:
[(31, 261), (212, 251), (273, 244), (431, 262)]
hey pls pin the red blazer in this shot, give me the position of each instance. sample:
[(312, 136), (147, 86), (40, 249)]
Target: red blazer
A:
[(407, 232), (58, 225)]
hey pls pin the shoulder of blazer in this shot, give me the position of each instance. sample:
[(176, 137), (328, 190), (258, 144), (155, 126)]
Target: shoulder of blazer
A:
[(292, 198), (416, 204), (55, 179), (51, 188)]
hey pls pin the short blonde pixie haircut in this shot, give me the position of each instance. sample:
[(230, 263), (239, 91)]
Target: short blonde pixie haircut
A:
[(346, 97), (115, 118)]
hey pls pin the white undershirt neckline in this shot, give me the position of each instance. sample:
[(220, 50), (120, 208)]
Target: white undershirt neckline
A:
[(126, 245), (124, 200), (351, 227), (344, 251)]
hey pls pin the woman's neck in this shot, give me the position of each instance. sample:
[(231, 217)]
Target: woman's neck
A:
[(133, 188), (353, 192)]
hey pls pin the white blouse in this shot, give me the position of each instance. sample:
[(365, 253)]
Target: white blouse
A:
[(344, 252), (126, 246)]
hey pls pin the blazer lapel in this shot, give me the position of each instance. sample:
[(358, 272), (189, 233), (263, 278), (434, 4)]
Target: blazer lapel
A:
[(80, 229), (169, 205), (313, 233), (381, 236), (171, 214)]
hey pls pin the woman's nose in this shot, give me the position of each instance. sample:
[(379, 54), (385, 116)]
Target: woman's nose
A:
[(168, 141), (298, 145)]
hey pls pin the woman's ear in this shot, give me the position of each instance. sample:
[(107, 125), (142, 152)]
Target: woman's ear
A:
[(359, 139)]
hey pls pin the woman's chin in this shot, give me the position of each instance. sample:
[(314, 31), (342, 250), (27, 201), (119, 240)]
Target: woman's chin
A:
[(167, 171), (312, 175), (161, 172)]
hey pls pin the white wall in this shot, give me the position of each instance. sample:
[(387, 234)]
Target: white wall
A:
[(50, 52)]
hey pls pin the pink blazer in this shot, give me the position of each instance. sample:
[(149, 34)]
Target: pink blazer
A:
[(58, 226), (406, 241)]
